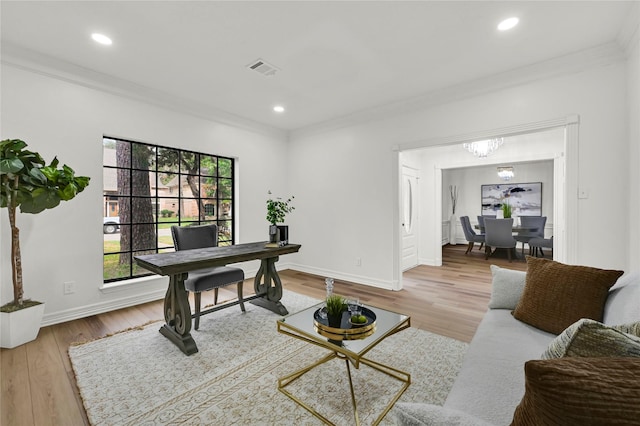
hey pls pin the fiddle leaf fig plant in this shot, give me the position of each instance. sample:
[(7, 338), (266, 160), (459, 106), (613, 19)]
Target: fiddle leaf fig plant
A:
[(27, 183)]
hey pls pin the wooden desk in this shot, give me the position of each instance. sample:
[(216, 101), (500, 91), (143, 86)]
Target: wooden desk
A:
[(176, 265)]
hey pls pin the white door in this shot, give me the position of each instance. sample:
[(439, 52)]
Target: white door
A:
[(409, 214)]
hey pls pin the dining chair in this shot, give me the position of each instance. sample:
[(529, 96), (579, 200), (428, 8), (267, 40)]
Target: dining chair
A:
[(538, 243), (470, 234), (537, 222), (498, 234), (481, 220), (203, 236)]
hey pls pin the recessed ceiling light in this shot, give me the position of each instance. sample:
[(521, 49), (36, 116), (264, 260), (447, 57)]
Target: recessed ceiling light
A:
[(508, 23), (278, 108), (101, 38)]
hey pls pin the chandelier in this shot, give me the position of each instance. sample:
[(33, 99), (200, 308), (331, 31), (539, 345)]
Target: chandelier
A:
[(483, 148)]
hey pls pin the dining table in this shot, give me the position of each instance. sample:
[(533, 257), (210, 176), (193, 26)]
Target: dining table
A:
[(516, 228)]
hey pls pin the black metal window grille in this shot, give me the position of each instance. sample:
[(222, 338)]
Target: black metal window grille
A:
[(148, 188)]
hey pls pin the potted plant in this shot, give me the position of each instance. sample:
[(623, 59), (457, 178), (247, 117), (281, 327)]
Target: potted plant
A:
[(27, 183), (276, 211), (335, 307), (506, 210)]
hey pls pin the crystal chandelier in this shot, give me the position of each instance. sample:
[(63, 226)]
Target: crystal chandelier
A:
[(483, 148), (505, 173)]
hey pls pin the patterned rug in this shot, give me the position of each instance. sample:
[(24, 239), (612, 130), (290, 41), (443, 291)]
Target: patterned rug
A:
[(138, 377)]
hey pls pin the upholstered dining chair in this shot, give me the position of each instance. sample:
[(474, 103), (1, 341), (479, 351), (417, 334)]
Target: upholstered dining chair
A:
[(470, 234), (498, 234), (203, 236), (537, 222), (537, 244)]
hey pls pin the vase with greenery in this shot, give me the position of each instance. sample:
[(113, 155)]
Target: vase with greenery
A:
[(27, 183), (336, 305), (277, 209), (506, 210)]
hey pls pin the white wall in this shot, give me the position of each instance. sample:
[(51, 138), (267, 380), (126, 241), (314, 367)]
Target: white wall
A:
[(348, 176), (633, 81), (65, 244)]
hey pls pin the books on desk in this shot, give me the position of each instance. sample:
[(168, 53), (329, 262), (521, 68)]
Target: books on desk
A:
[(278, 244)]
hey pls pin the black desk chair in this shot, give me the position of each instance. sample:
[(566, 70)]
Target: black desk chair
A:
[(194, 237)]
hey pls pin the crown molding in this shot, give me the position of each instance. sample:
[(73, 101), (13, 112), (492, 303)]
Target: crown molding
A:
[(598, 56), (629, 35), (38, 63), (28, 60)]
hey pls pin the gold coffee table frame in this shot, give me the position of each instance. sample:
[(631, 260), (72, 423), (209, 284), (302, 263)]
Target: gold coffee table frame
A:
[(352, 351)]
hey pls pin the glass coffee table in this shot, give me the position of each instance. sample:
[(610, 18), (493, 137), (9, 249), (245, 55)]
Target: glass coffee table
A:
[(348, 343)]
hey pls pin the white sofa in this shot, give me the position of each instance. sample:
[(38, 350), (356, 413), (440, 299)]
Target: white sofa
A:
[(491, 383)]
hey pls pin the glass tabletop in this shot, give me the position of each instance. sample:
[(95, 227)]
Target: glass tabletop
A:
[(387, 323)]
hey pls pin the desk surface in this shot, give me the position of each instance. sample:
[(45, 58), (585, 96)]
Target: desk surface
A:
[(189, 260)]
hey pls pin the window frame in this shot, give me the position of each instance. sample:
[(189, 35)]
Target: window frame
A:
[(223, 200)]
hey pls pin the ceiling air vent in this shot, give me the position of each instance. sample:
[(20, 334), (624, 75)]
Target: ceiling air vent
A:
[(262, 67)]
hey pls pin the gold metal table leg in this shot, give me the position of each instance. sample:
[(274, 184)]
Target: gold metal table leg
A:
[(389, 371)]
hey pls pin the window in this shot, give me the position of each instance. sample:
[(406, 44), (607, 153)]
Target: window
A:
[(149, 188)]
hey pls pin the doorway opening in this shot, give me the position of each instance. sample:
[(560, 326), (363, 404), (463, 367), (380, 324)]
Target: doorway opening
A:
[(555, 141)]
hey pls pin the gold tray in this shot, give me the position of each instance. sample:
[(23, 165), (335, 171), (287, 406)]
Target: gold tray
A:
[(347, 331)]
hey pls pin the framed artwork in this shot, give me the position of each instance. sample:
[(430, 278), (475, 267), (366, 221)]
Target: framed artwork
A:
[(525, 198)]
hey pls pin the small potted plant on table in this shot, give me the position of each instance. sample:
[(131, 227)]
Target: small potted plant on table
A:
[(276, 211), (335, 307)]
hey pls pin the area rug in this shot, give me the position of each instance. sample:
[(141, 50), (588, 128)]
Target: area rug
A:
[(139, 377)]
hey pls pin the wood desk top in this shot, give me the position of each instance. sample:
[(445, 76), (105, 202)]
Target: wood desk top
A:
[(189, 260)]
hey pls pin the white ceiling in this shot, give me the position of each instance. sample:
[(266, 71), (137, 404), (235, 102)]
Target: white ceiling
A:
[(336, 58)]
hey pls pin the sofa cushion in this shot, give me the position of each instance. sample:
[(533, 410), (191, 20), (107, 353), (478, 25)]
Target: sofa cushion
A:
[(588, 338), (580, 391), (411, 414), (557, 295), (490, 383), (623, 303), (507, 286)]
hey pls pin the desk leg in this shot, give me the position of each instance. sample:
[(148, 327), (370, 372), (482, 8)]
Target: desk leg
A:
[(271, 287), (177, 315)]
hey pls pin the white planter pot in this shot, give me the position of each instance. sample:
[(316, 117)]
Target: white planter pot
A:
[(452, 230), (20, 327)]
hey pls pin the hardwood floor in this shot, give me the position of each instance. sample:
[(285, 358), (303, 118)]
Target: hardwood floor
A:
[(38, 384)]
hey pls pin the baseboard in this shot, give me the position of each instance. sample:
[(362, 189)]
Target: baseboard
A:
[(154, 293), (102, 307), (357, 279), (119, 302)]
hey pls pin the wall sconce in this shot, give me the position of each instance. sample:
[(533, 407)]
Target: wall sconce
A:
[(505, 173)]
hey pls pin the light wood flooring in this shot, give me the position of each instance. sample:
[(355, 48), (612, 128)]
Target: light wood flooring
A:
[(38, 384)]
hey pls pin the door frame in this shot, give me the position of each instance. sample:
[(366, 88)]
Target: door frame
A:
[(415, 208), (565, 181)]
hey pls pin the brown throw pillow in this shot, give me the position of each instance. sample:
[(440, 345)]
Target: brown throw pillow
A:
[(580, 391), (557, 295)]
